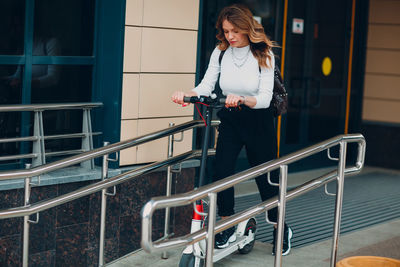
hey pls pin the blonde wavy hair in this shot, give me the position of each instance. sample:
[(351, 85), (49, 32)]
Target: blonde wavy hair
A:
[(242, 19)]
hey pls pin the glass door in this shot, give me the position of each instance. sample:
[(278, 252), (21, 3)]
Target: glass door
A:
[(315, 73)]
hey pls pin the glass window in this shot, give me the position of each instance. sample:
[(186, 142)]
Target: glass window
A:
[(58, 70), (61, 83), (12, 20), (10, 93), (62, 122), (266, 11), (63, 28), (11, 84)]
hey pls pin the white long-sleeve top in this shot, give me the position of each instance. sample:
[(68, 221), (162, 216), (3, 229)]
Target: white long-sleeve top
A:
[(245, 81)]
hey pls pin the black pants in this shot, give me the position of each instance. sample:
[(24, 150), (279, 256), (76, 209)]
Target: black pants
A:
[(254, 129)]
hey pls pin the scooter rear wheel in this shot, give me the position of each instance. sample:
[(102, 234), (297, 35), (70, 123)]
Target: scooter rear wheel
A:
[(250, 226), (189, 260)]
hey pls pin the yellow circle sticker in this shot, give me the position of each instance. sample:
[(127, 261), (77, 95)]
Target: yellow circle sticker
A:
[(326, 66)]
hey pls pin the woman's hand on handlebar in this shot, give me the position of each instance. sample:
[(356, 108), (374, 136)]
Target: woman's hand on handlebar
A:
[(233, 101), (178, 96)]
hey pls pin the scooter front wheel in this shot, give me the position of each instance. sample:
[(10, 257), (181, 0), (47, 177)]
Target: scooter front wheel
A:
[(250, 226), (189, 260)]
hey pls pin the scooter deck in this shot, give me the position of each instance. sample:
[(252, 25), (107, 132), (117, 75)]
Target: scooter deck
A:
[(223, 252)]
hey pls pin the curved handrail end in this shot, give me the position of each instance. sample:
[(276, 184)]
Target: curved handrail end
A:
[(148, 208)]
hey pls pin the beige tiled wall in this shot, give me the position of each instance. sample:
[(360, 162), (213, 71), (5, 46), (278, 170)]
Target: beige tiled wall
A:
[(382, 75), (156, 94), (130, 96), (130, 129), (181, 14), (132, 49), (134, 12), (157, 150), (159, 58), (165, 50)]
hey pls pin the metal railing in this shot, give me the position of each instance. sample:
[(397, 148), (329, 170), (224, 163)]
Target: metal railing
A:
[(30, 209), (210, 191), (38, 138)]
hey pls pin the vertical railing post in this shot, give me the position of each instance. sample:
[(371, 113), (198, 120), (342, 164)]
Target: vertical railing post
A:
[(87, 140), (170, 153), (25, 245), (281, 214), (212, 216), (38, 145), (104, 174), (339, 201)]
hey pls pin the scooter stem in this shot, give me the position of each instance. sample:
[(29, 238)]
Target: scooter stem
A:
[(204, 151)]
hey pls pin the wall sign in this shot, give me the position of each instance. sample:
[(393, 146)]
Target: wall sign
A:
[(298, 26)]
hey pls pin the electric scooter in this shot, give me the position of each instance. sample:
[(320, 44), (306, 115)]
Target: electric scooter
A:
[(194, 255)]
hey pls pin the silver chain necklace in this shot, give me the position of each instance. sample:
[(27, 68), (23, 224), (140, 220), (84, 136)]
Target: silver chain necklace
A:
[(239, 62)]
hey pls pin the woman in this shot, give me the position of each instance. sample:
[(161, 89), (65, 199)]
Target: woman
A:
[(246, 74)]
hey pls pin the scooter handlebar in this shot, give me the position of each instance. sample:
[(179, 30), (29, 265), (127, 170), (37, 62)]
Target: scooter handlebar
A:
[(223, 100), (205, 100), (191, 99)]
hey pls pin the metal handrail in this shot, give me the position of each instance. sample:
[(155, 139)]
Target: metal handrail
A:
[(52, 106), (109, 149), (65, 136), (211, 190), (19, 139)]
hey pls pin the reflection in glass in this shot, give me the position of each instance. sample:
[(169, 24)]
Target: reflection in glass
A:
[(57, 122), (266, 11), (324, 121), (10, 93), (12, 20), (45, 80), (10, 84), (61, 84), (73, 27)]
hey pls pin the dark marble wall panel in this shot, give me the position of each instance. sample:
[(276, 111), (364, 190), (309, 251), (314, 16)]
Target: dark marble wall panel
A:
[(111, 249), (68, 235), (94, 217), (74, 212), (10, 250), (92, 255), (159, 219), (9, 199), (112, 228), (43, 259), (133, 196), (129, 234), (113, 214), (184, 181), (72, 245), (42, 234), (182, 220)]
